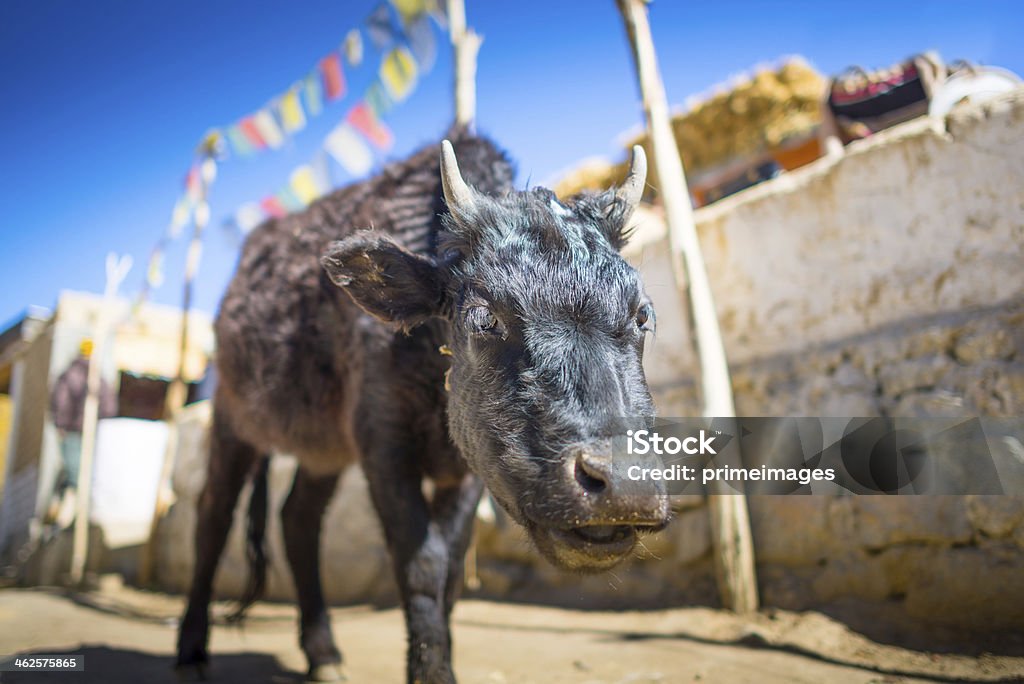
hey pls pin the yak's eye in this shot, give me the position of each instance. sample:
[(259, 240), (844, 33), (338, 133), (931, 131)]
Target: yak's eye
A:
[(481, 320), (645, 318)]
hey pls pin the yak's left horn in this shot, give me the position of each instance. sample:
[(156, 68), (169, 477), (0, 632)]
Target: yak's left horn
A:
[(457, 194)]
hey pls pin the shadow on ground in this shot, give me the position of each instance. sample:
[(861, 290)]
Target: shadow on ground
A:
[(106, 665)]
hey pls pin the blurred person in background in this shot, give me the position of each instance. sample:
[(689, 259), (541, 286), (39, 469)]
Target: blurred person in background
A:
[(67, 407)]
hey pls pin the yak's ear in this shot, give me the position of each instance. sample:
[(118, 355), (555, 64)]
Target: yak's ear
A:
[(385, 279)]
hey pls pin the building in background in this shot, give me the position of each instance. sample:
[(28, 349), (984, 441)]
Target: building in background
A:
[(780, 118), (140, 360), (732, 137)]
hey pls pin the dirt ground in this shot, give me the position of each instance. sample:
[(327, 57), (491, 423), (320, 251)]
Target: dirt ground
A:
[(128, 636)]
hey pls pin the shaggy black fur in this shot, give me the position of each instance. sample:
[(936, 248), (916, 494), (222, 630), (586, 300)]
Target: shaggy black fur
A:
[(545, 323)]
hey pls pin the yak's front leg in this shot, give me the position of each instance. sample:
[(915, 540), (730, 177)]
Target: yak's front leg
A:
[(455, 508), (427, 543)]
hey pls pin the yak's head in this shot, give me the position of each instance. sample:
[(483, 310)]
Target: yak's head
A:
[(547, 333)]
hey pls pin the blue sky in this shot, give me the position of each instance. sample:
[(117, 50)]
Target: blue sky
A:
[(105, 100)]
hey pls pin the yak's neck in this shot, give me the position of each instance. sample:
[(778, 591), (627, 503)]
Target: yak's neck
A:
[(417, 205), (415, 211)]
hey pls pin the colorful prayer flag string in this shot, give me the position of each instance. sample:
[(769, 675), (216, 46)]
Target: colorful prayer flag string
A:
[(410, 50), (289, 113)]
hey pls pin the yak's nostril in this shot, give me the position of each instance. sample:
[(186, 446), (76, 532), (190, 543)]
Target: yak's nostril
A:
[(589, 474)]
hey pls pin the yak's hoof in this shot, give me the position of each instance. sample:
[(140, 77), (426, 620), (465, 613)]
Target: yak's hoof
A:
[(442, 676), (191, 672), (328, 672)]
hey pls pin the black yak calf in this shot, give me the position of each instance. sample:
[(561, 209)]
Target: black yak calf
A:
[(339, 359)]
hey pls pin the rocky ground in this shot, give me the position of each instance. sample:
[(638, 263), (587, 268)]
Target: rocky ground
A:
[(128, 636)]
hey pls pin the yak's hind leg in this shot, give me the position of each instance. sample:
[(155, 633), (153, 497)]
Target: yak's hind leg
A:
[(301, 517), (230, 460)]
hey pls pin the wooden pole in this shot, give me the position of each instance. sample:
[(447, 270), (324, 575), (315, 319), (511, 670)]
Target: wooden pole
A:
[(730, 521), (465, 45), (117, 269), (177, 391)]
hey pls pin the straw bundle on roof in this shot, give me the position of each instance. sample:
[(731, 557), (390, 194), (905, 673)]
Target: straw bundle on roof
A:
[(756, 113)]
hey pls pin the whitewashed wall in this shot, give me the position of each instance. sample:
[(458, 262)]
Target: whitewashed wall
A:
[(911, 222)]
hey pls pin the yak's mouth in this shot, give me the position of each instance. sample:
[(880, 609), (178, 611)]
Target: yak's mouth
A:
[(600, 540), (590, 548)]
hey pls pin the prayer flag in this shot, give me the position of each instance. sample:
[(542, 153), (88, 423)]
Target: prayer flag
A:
[(334, 80), (268, 129), (289, 200), (201, 215), (305, 184), (353, 47), (364, 121), (421, 41), (349, 150), (248, 216), (378, 100), (313, 93), (213, 143), (273, 207), (239, 143), (293, 119), (321, 166), (155, 272), (379, 27), (208, 171), (409, 9), (179, 217), (192, 183), (438, 12), (398, 73), (252, 134)]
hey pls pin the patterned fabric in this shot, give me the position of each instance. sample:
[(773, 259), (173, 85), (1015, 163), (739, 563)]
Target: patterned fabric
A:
[(865, 102)]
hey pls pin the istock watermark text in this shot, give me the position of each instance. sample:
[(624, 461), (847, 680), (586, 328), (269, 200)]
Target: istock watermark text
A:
[(646, 442)]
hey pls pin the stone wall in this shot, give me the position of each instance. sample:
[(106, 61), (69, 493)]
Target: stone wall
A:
[(352, 546), (956, 561), (966, 363), (886, 282)]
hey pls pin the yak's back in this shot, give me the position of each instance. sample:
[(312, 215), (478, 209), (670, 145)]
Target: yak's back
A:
[(285, 333)]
